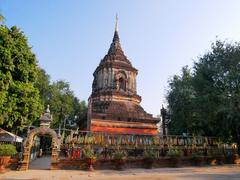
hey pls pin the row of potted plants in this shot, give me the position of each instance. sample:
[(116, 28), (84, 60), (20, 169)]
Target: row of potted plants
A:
[(90, 157), (119, 157)]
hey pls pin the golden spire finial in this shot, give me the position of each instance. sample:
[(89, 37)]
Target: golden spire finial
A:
[(116, 23)]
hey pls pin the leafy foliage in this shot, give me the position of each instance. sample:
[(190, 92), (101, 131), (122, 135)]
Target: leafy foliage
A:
[(25, 88), (150, 154), (119, 154), (180, 98), (7, 150), (208, 102), (63, 103), (173, 153), (197, 154), (20, 101), (1, 18), (88, 152)]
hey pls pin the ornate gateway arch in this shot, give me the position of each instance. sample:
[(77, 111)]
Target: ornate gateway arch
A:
[(44, 129)]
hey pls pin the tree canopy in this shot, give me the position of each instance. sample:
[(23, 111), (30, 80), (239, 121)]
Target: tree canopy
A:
[(25, 88), (180, 99), (20, 101), (64, 105), (206, 101)]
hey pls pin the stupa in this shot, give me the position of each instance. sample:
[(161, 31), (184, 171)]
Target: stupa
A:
[(114, 105)]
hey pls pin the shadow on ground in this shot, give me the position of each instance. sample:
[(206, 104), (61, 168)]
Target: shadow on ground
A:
[(215, 176), (43, 163)]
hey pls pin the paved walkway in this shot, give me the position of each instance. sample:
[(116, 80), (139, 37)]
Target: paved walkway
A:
[(226, 172), (41, 163)]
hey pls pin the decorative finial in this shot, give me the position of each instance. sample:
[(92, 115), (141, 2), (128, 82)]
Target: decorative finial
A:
[(48, 109), (116, 23), (46, 118)]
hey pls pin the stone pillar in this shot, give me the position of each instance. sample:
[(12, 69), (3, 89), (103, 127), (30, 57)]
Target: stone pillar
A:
[(109, 77), (54, 159), (105, 78), (135, 83), (100, 78), (112, 78), (130, 82), (24, 164)]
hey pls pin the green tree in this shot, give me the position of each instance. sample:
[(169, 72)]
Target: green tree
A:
[(43, 85), (25, 88), (81, 114), (64, 105), (180, 99), (217, 85), (207, 102), (20, 102), (61, 102), (2, 18)]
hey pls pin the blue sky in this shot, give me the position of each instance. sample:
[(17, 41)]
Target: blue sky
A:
[(70, 37)]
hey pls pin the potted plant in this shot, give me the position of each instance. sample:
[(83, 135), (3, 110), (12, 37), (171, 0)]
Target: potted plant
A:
[(235, 158), (149, 156), (218, 155), (187, 152), (90, 157), (119, 157), (198, 158), (174, 155), (232, 157), (6, 151)]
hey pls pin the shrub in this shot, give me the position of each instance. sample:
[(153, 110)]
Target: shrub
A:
[(7, 150), (173, 153), (150, 154), (88, 152), (119, 154), (197, 154), (216, 152)]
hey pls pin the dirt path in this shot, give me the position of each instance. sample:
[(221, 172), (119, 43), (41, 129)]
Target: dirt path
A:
[(227, 172), (41, 163)]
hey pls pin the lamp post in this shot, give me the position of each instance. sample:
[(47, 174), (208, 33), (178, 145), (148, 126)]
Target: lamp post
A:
[(163, 114), (64, 124)]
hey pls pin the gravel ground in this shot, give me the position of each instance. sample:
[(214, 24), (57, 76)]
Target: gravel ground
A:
[(226, 172)]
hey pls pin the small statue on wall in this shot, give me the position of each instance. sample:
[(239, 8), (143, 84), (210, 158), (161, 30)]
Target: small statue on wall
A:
[(117, 85), (121, 81)]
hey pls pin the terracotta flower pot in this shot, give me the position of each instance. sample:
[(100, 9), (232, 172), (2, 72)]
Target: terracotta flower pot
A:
[(231, 158), (90, 162), (3, 162), (174, 161), (119, 164), (148, 163), (235, 158), (198, 160), (186, 152), (220, 159), (211, 160)]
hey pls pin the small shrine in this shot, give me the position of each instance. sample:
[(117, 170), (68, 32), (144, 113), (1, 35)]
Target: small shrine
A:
[(46, 118)]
